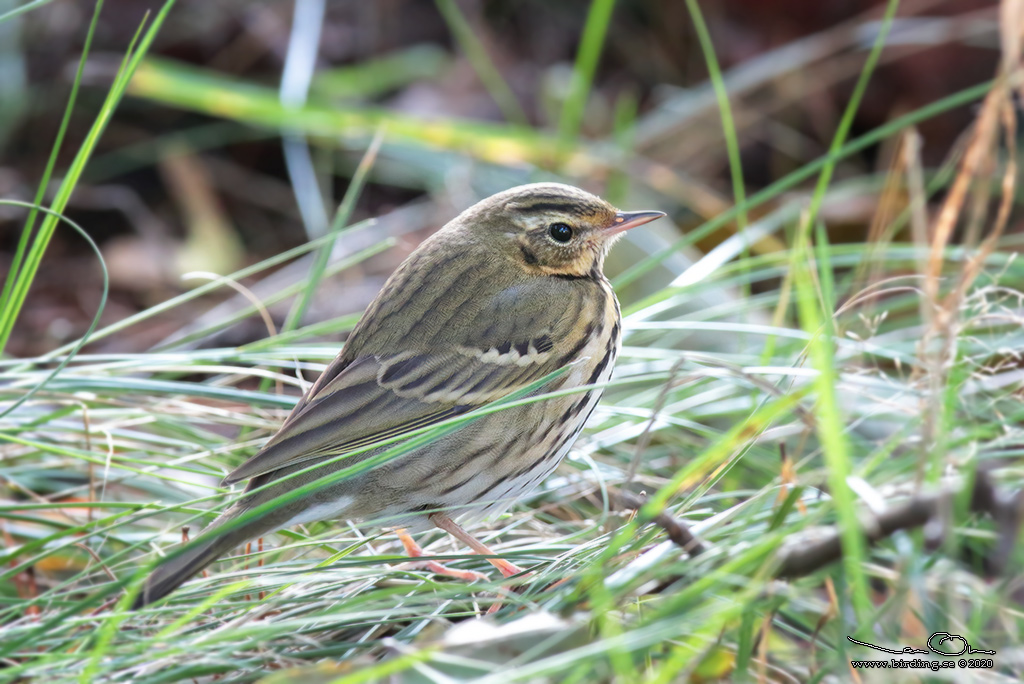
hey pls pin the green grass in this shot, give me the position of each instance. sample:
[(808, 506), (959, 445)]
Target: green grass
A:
[(761, 401), (477, 55), (27, 258), (591, 41)]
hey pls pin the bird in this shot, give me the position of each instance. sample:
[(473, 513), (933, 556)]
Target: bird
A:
[(508, 293)]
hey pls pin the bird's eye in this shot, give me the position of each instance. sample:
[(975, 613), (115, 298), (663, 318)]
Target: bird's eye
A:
[(560, 232)]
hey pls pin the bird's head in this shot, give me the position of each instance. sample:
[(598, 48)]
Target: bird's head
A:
[(549, 228)]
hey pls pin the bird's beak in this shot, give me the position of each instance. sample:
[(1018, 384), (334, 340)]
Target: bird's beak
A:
[(624, 220)]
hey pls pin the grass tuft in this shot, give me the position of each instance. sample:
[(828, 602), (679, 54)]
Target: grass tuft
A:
[(835, 421)]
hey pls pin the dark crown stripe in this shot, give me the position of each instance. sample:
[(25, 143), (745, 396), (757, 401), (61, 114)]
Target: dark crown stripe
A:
[(562, 207)]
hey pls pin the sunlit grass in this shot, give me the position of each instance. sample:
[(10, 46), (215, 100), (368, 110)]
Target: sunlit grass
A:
[(774, 394)]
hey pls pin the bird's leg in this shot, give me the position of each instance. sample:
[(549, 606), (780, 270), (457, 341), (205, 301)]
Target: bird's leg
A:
[(506, 568), (413, 550)]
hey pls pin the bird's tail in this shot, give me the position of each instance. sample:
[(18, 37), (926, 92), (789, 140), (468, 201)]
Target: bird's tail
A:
[(210, 546)]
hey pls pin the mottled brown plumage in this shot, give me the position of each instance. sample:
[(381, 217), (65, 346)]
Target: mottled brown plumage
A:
[(505, 294)]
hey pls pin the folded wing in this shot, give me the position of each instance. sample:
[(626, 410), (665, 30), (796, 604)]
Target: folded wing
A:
[(374, 396)]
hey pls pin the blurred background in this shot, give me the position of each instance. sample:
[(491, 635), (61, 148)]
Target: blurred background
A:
[(240, 133), (801, 349)]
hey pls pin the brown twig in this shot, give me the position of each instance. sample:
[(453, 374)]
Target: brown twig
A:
[(677, 530), (810, 551), (995, 122), (807, 552), (99, 561)]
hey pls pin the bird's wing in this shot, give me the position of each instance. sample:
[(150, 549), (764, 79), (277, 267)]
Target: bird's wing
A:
[(378, 396)]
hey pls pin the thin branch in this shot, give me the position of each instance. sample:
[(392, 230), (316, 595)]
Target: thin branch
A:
[(677, 530), (809, 551)]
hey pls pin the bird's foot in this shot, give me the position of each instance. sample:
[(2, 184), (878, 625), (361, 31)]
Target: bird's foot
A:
[(506, 568), (413, 550)]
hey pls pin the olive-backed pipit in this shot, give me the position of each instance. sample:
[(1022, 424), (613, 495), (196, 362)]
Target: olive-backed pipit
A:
[(507, 293)]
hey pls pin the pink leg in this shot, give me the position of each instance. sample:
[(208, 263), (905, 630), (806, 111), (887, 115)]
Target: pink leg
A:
[(414, 551), (442, 521)]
